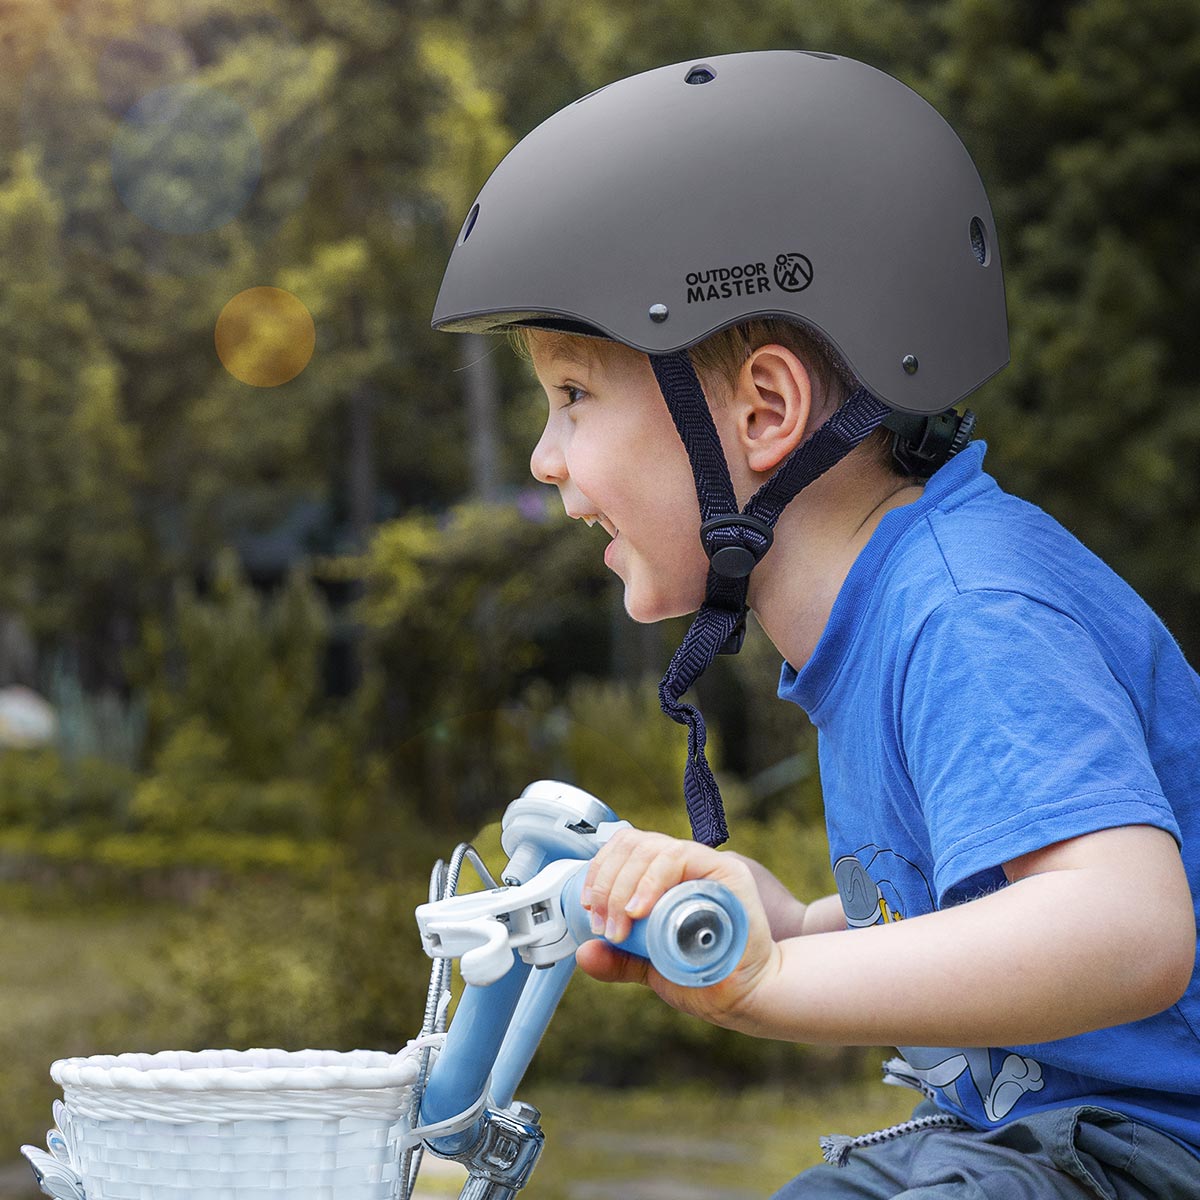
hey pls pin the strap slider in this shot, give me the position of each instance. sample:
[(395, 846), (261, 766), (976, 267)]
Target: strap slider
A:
[(737, 560), (737, 635)]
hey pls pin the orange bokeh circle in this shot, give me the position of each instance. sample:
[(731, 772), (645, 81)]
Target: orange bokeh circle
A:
[(265, 336)]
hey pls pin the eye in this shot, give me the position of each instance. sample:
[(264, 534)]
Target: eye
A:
[(571, 392)]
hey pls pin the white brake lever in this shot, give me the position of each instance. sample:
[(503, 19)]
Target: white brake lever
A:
[(491, 954), (484, 928)]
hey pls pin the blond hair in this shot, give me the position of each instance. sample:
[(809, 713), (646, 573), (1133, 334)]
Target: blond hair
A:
[(719, 357)]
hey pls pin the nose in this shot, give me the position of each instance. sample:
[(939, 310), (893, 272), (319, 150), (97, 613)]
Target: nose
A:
[(547, 462)]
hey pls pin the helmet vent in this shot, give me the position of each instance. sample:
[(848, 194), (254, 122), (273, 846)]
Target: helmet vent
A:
[(818, 54), (979, 242), (469, 223), (701, 73)]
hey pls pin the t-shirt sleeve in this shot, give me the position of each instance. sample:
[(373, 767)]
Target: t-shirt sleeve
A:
[(1017, 735)]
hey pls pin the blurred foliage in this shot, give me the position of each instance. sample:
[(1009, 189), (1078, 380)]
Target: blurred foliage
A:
[(1083, 121), (70, 459), (287, 748), (461, 613), (243, 667), (129, 456), (288, 967), (39, 790), (245, 767)]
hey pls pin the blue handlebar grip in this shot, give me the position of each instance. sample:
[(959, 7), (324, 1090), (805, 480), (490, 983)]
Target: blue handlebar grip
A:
[(694, 936)]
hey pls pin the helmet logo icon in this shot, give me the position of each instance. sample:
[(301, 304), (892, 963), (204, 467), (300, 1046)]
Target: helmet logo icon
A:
[(793, 272)]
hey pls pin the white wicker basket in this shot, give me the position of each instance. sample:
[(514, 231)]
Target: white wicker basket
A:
[(229, 1125)]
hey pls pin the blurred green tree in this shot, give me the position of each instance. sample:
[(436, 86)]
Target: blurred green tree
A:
[(462, 613), (1085, 121), (70, 542)]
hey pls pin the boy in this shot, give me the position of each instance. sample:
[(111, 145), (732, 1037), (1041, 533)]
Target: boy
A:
[(795, 253)]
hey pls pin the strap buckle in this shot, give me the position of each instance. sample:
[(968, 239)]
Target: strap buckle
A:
[(922, 444), (738, 560)]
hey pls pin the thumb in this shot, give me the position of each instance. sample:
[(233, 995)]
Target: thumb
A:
[(602, 961)]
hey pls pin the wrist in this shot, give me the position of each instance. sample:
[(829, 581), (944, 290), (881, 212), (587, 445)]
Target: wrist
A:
[(756, 1012)]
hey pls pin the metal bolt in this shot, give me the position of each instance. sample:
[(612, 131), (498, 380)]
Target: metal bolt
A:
[(909, 363), (659, 313), (525, 1112)]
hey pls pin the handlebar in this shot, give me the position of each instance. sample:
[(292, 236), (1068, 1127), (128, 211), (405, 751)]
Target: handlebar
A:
[(694, 936), (516, 948)]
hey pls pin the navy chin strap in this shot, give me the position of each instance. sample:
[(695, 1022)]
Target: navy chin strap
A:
[(735, 541)]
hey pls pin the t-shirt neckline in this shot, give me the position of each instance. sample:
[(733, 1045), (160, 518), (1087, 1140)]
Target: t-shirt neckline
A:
[(809, 685)]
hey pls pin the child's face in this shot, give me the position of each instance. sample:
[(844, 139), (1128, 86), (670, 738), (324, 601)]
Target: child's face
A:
[(611, 449)]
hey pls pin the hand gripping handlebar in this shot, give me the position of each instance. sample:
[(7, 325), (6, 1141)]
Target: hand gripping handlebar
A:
[(694, 936), (516, 946)]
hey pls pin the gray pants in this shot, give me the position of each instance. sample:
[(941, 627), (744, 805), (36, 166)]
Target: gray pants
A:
[(1066, 1154)]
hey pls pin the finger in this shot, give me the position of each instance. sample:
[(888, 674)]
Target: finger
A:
[(605, 867), (596, 872), (652, 859), (601, 961), (670, 866), (658, 866), (653, 869)]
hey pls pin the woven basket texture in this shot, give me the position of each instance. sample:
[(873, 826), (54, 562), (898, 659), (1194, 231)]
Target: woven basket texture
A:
[(300, 1159), (237, 1125)]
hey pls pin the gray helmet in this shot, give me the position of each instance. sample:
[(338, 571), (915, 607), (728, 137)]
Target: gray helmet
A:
[(674, 203), (670, 205)]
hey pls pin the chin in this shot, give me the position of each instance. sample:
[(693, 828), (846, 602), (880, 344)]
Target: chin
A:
[(647, 609)]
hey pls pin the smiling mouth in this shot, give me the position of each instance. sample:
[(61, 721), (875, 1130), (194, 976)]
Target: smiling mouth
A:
[(603, 522)]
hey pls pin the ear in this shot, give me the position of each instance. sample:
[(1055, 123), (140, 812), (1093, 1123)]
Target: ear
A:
[(773, 402)]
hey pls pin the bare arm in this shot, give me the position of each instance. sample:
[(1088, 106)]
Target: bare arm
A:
[(1094, 931), (787, 916)]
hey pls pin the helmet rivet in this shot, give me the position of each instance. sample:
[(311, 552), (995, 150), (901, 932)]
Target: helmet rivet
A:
[(909, 363), (659, 313)]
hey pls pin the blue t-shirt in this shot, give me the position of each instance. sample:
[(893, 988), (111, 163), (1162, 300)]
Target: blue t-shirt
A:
[(986, 687)]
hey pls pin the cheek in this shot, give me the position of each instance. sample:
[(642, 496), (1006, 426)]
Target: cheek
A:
[(586, 465), (671, 538), (678, 506)]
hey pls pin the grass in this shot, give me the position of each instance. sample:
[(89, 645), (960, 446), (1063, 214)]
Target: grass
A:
[(683, 1143), (64, 982), (691, 1141)]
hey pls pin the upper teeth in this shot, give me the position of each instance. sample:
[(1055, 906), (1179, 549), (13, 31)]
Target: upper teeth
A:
[(597, 519)]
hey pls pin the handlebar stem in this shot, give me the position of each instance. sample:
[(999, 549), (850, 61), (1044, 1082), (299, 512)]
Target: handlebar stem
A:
[(503, 1158)]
